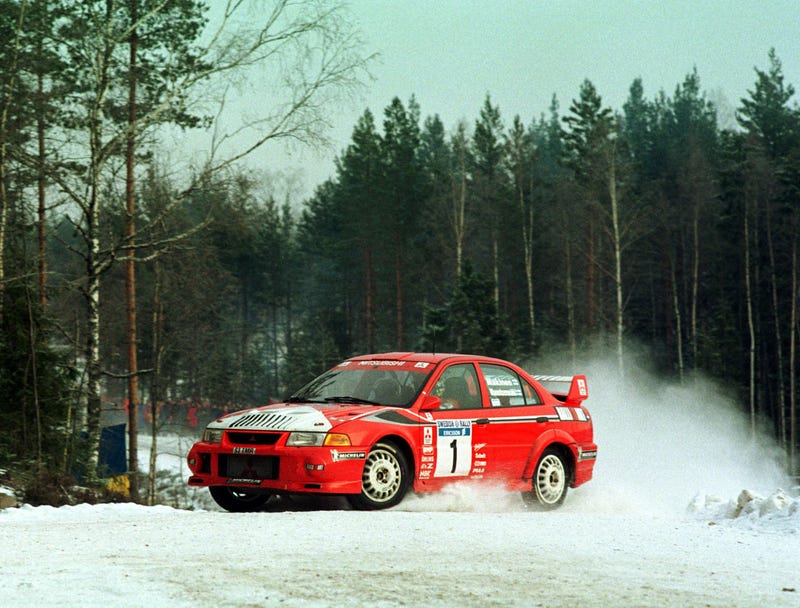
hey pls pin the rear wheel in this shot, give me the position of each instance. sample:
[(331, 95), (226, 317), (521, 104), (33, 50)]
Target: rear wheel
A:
[(550, 482), (239, 500), (385, 479)]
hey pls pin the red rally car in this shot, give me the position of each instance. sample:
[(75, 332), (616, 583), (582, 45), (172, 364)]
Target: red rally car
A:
[(375, 426)]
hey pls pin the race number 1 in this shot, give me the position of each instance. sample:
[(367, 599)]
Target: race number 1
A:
[(453, 448)]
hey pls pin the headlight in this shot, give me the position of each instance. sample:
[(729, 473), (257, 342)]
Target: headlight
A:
[(301, 439), (212, 435), (305, 439)]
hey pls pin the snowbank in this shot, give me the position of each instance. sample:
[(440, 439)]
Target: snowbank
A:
[(778, 512)]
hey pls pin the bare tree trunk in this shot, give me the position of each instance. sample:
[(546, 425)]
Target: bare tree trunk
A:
[(370, 302), (590, 271), (35, 381), (750, 323), (695, 278), (3, 208), (571, 330), (778, 333), (612, 190), (94, 264), (496, 269), (92, 298), (459, 209), (41, 198), (526, 216), (678, 318), (155, 387), (399, 292), (130, 267), (793, 470), (4, 112)]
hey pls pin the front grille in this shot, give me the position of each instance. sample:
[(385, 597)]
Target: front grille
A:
[(248, 438), (243, 466)]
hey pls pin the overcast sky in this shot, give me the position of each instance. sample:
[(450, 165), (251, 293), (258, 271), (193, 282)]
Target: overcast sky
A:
[(451, 53)]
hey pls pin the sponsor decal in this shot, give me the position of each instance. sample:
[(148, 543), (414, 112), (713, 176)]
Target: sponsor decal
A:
[(587, 454), (240, 481), (454, 428), (338, 456), (582, 387), (505, 392), (383, 363), (453, 448), (344, 364), (427, 435), (421, 365), (501, 381), (244, 450), (580, 414), (428, 450)]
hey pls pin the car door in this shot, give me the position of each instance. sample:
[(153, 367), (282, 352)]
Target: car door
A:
[(451, 445), (511, 422)]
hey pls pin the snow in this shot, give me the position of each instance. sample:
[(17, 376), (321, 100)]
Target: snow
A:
[(685, 509)]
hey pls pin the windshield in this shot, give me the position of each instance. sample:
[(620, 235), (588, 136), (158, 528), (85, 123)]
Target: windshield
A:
[(395, 383)]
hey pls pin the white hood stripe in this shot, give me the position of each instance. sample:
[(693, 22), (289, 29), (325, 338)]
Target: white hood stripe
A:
[(302, 418)]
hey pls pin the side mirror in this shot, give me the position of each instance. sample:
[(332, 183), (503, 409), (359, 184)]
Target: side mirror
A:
[(431, 402)]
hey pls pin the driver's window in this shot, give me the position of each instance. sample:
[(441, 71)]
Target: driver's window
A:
[(458, 387)]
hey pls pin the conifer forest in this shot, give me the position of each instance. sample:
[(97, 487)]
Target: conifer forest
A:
[(577, 227)]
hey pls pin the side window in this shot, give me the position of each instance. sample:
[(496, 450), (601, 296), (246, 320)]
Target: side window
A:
[(458, 387), (531, 396), (506, 388)]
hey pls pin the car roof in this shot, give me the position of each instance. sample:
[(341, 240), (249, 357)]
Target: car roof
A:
[(425, 357)]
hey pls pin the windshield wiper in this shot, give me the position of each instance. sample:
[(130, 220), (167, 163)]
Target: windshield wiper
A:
[(351, 399), (301, 399)]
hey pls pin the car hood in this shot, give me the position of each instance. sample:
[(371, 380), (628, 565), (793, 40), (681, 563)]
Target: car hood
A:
[(294, 417)]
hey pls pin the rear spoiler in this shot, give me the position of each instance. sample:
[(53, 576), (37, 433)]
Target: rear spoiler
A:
[(578, 389)]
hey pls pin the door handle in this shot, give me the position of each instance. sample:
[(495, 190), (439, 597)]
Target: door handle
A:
[(482, 421), (542, 419)]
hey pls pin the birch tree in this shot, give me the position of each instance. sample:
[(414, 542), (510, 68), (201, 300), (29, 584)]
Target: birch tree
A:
[(310, 47)]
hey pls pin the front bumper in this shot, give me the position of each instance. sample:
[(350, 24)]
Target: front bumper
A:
[(323, 470)]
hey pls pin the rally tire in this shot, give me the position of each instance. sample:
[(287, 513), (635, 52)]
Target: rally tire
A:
[(239, 500), (385, 479), (550, 482)]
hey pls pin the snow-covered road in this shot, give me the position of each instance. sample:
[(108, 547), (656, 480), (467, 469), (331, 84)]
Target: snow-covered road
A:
[(646, 531), (420, 554)]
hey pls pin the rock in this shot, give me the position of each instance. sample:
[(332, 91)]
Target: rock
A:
[(7, 499)]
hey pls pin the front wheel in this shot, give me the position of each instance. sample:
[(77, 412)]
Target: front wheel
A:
[(239, 500), (550, 482), (385, 479)]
